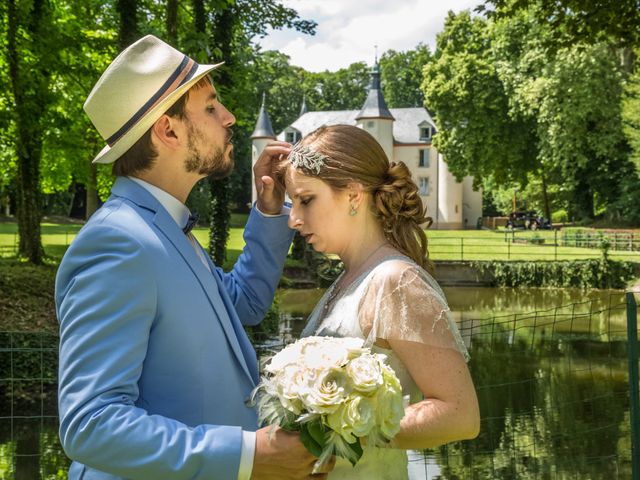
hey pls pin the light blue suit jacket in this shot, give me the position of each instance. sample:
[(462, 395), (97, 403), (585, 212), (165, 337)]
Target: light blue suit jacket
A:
[(155, 366)]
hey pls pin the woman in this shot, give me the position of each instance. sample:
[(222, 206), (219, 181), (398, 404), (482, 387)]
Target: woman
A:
[(347, 199)]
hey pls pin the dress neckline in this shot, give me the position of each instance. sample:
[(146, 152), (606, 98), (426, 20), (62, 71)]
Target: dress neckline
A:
[(358, 280)]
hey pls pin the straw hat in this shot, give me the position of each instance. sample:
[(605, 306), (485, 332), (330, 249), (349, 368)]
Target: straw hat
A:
[(136, 89)]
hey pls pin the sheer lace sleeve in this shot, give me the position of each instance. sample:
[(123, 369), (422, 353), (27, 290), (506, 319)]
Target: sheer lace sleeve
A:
[(403, 302)]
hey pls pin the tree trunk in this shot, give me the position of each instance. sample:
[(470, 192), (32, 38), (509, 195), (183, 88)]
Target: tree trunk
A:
[(545, 197), (199, 16), (128, 10), (172, 22), (583, 201), (220, 189), (92, 192), (29, 94), (27, 452)]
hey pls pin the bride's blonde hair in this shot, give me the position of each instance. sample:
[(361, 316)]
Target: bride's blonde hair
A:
[(353, 155)]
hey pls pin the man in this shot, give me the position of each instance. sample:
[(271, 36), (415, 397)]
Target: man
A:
[(155, 367)]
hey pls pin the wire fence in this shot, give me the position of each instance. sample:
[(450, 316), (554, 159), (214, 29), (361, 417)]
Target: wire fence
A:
[(558, 393), (617, 240), (525, 245), (464, 245)]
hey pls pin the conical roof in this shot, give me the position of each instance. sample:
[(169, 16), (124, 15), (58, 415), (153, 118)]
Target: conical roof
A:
[(375, 106), (303, 109), (263, 125)]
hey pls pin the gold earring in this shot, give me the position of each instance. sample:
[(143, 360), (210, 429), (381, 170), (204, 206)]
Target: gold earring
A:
[(353, 212)]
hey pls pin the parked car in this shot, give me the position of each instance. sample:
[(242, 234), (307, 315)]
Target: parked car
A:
[(527, 221)]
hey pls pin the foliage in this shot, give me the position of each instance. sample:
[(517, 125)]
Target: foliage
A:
[(477, 133), (512, 112), (269, 326), (631, 115), (573, 21), (401, 75), (585, 274)]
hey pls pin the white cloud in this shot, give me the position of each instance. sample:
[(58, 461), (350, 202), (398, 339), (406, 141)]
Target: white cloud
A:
[(348, 30)]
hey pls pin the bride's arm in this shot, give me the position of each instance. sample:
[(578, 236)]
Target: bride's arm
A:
[(450, 410), (403, 309)]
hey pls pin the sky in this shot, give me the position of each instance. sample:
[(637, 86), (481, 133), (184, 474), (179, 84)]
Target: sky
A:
[(348, 30)]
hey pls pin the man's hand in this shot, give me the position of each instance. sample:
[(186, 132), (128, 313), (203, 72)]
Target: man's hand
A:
[(280, 455), (270, 195)]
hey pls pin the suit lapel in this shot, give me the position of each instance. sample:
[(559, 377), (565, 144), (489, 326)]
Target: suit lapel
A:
[(211, 288), (241, 335), (208, 280)]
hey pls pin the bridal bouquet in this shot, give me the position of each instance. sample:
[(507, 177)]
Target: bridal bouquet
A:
[(335, 393)]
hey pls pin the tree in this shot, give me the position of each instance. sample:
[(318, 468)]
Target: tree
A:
[(344, 89), (572, 21), (31, 57), (511, 110), (478, 133), (233, 24), (631, 115), (401, 75)]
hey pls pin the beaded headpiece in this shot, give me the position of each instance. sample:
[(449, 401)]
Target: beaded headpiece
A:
[(303, 157)]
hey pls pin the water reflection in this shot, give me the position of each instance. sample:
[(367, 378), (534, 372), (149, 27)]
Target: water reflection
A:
[(549, 365), (551, 372)]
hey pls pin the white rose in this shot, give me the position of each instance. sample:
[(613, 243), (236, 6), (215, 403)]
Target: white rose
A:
[(325, 352), (327, 392), (390, 409), (353, 419), (288, 355), (365, 373), (292, 382)]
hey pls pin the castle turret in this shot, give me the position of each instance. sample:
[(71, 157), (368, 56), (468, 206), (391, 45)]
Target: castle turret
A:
[(303, 108), (375, 117), (262, 134)]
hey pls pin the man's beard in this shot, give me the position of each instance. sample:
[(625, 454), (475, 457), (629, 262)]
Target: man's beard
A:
[(218, 164)]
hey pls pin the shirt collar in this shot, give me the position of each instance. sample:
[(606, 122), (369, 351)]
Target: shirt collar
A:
[(178, 210)]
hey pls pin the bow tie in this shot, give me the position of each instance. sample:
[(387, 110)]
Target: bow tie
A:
[(191, 222)]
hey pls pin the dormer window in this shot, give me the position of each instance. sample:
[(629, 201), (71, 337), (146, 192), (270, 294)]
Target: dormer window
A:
[(292, 136), (425, 133)]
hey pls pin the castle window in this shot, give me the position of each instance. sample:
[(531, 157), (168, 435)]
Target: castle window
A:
[(291, 137), (370, 124), (423, 184), (425, 133), (424, 158)]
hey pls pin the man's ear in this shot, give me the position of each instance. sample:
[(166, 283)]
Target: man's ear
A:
[(165, 131)]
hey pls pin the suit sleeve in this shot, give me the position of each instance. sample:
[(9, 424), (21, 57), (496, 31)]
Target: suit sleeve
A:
[(106, 305), (252, 282)]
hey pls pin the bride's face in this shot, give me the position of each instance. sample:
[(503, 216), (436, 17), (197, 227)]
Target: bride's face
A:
[(318, 212)]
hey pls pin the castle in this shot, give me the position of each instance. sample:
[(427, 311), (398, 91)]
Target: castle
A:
[(406, 135)]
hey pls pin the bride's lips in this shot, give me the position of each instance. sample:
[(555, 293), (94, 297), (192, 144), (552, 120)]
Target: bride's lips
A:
[(307, 237)]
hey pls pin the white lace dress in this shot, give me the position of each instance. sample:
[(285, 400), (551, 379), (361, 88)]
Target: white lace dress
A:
[(393, 300)]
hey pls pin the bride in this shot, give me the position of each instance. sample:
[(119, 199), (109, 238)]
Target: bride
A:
[(347, 199)]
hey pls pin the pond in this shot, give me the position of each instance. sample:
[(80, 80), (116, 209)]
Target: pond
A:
[(549, 366)]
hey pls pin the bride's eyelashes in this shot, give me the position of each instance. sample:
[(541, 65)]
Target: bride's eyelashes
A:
[(306, 201)]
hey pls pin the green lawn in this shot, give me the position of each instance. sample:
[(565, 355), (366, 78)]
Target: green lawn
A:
[(443, 244)]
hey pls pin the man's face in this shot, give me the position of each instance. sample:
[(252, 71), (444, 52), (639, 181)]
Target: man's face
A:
[(210, 151)]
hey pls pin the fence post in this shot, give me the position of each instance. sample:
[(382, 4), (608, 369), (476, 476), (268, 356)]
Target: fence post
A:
[(555, 245), (508, 250), (461, 249), (632, 339)]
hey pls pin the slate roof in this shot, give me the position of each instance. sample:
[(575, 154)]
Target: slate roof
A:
[(405, 126), (263, 125), (375, 106)]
